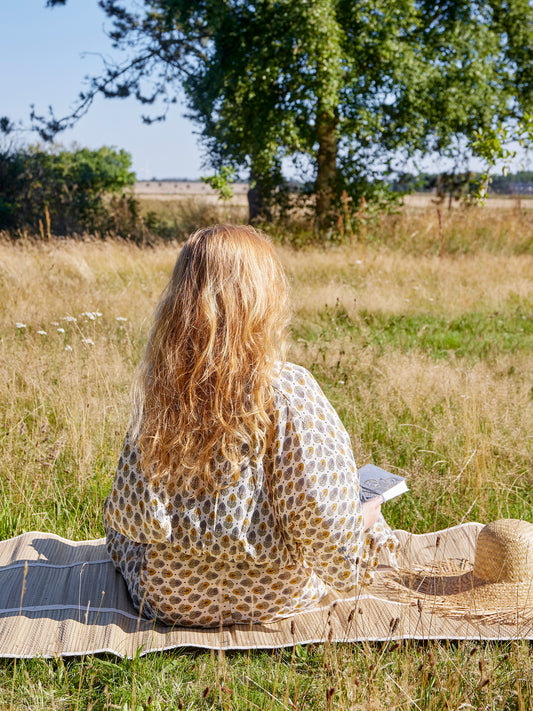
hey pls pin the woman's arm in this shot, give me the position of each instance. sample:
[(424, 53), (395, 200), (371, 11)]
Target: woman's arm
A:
[(371, 512), (316, 486), (316, 489), (134, 508)]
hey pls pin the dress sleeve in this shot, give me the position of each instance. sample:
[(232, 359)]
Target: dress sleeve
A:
[(316, 489), (134, 508)]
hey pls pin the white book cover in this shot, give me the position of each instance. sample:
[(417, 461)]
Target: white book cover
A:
[(375, 481)]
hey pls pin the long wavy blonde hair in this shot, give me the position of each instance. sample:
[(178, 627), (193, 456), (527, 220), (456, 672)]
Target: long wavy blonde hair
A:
[(204, 387)]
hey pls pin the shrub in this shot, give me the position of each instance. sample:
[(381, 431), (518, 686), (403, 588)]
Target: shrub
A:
[(61, 191)]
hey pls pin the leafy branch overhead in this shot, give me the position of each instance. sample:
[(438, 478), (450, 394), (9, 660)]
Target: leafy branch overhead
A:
[(344, 88), (221, 182)]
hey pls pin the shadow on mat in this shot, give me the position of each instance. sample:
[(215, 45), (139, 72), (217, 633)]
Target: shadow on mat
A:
[(76, 582)]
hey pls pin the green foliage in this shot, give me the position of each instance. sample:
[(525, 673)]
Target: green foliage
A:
[(343, 89), (519, 182), (221, 182), (465, 184), (498, 144), (60, 191)]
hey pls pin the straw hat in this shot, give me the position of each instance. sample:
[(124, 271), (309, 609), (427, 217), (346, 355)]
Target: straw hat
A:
[(498, 587)]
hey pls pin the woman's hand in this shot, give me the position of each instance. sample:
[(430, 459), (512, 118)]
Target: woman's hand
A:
[(371, 512)]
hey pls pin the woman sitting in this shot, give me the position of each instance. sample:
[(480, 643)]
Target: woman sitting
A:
[(236, 497)]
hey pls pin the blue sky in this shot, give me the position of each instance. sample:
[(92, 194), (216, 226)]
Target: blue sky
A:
[(42, 62)]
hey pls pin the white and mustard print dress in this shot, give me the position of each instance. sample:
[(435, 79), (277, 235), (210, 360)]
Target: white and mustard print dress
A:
[(263, 548)]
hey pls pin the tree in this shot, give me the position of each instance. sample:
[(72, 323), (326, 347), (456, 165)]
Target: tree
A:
[(63, 189), (348, 85)]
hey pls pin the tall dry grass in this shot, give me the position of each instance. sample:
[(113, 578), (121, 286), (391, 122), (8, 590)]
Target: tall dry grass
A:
[(177, 218), (365, 278), (65, 394), (437, 230), (429, 361)]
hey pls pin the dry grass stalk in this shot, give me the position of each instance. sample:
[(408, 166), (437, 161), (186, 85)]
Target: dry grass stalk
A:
[(459, 426)]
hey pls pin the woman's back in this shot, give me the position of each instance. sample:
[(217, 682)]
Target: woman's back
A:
[(236, 498), (252, 550)]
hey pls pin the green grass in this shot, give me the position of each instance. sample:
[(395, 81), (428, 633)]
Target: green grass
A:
[(434, 382), (402, 675), (473, 334)]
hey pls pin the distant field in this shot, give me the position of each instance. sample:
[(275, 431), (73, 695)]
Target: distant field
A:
[(183, 189), (503, 202)]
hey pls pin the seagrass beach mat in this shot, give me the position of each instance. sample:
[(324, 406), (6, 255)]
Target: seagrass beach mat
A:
[(61, 597)]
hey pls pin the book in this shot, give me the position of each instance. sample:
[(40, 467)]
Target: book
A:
[(378, 482)]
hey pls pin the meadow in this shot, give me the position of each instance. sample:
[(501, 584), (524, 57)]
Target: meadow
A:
[(419, 330)]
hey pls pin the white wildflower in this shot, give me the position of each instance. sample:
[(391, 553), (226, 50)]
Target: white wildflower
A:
[(70, 319), (88, 341), (42, 333), (54, 323), (92, 315), (61, 330), (120, 318), (358, 261), (20, 325), (68, 348)]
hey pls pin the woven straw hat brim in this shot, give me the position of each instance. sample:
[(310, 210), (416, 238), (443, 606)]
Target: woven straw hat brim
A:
[(452, 589)]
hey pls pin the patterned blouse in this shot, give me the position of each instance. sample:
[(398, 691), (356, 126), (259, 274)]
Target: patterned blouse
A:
[(261, 549)]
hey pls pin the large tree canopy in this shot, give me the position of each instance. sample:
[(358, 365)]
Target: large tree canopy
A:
[(346, 85)]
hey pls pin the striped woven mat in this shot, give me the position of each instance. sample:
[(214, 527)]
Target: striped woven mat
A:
[(61, 597)]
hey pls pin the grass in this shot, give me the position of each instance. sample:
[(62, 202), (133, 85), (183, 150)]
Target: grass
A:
[(473, 335), (429, 361), (459, 231), (178, 218), (404, 675)]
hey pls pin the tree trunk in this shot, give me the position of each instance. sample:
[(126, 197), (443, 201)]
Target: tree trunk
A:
[(326, 175), (255, 203), (258, 199)]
